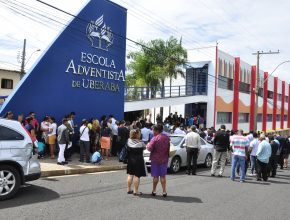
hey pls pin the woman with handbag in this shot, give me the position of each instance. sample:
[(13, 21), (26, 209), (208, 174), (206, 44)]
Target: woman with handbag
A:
[(136, 166)]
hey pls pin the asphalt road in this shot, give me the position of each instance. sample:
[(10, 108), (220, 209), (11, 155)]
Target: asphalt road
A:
[(103, 196)]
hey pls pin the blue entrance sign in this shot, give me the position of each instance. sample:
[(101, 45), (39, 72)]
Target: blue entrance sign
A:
[(82, 71)]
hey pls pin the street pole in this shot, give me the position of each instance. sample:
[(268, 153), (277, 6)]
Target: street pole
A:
[(22, 71), (258, 53), (257, 92)]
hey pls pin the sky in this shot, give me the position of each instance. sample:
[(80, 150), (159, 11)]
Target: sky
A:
[(240, 27)]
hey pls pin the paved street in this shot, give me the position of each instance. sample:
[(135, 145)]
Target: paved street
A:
[(103, 196)]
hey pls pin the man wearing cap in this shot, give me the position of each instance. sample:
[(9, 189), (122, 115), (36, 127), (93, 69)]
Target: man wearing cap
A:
[(192, 142)]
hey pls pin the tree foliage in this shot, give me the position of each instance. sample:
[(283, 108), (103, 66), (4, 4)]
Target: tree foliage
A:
[(155, 62)]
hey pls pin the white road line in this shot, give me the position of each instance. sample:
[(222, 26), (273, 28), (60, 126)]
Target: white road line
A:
[(73, 175)]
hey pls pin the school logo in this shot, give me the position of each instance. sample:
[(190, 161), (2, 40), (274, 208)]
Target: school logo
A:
[(99, 34)]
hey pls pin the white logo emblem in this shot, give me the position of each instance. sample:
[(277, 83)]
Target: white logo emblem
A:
[(99, 34)]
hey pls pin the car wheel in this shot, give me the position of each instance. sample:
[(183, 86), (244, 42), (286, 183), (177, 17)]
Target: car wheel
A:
[(208, 161), (9, 181), (175, 165)]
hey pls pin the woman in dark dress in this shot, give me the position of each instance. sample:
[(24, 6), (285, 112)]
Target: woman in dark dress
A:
[(135, 166)]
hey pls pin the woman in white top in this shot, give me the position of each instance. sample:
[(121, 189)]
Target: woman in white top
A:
[(84, 142), (52, 136)]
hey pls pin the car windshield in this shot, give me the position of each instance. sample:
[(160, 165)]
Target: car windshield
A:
[(175, 140)]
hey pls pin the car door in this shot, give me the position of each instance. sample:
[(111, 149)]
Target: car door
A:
[(12, 145), (202, 153), (183, 154)]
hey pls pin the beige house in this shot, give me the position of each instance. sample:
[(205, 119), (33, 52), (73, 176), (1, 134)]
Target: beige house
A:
[(8, 81)]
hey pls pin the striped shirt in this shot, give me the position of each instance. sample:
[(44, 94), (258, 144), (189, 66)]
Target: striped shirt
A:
[(239, 144)]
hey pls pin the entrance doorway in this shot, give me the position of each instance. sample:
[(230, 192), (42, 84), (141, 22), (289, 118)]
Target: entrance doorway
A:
[(196, 109)]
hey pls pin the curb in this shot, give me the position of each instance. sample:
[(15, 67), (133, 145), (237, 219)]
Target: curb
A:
[(96, 169)]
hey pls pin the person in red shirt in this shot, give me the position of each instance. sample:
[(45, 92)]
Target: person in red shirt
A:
[(159, 147)]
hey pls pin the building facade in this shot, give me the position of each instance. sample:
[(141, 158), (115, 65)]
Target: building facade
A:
[(8, 79), (227, 86), (234, 83)]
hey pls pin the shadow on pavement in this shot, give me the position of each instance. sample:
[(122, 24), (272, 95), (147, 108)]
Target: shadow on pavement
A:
[(29, 194), (277, 182), (256, 182), (181, 199)]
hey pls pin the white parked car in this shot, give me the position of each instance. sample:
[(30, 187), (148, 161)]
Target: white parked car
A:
[(18, 163), (178, 160)]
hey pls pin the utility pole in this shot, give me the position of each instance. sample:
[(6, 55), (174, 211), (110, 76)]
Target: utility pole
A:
[(22, 71), (259, 53)]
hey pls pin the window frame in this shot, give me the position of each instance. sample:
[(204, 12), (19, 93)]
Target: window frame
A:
[(5, 82), (10, 129)]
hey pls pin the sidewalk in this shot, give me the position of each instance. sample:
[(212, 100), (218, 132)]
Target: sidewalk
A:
[(50, 168)]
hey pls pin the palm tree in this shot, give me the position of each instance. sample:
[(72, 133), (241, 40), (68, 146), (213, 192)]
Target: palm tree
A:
[(155, 62)]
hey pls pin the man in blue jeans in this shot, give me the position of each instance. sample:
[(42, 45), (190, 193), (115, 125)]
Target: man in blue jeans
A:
[(239, 145)]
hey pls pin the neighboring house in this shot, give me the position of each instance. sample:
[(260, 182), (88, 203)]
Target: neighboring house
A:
[(8, 81)]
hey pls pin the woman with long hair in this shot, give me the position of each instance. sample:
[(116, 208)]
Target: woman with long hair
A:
[(106, 140), (52, 136), (95, 135)]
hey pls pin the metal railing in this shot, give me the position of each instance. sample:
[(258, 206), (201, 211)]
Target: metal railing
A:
[(159, 92)]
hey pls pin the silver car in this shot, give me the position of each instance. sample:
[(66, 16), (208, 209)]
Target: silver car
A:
[(18, 163), (179, 158)]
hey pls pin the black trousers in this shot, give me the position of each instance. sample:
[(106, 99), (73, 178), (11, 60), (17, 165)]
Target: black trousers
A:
[(272, 167), (114, 148), (192, 154), (85, 151), (262, 170), (281, 161)]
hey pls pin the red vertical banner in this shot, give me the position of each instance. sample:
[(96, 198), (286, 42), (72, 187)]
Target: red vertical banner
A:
[(275, 103), (265, 102), (288, 118), (215, 85), (282, 105), (236, 94), (253, 98)]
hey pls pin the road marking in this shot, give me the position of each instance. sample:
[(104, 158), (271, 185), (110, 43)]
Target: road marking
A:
[(74, 175)]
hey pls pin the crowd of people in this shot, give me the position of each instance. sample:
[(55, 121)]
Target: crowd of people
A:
[(99, 140), (260, 151)]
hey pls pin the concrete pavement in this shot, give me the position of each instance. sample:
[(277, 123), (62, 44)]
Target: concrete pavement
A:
[(103, 196), (49, 167)]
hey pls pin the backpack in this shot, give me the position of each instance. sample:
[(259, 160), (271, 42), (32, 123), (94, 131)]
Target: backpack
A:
[(123, 156)]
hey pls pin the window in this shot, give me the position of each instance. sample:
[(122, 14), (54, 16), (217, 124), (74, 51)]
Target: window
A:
[(270, 94), (175, 140), (243, 117), (202, 142), (6, 134), (285, 118), (225, 83), (286, 98), (224, 117), (278, 117), (6, 84), (259, 117), (269, 117), (261, 92), (244, 87), (279, 97)]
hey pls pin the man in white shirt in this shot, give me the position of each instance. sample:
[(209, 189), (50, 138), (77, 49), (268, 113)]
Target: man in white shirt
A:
[(192, 142), (84, 142), (113, 125)]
